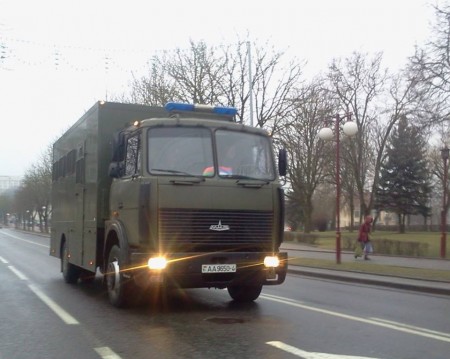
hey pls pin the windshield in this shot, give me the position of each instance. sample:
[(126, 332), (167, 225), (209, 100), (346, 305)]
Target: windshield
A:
[(244, 155), (188, 151), (179, 151)]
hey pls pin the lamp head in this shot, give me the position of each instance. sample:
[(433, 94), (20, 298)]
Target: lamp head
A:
[(350, 128), (326, 134)]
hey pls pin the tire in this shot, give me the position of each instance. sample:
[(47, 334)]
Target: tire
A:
[(118, 286), (70, 272), (244, 294)]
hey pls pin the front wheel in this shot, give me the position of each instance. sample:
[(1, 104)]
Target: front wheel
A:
[(117, 284), (243, 293)]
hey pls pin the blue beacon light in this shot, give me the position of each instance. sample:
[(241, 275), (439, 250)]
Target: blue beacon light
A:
[(219, 110)]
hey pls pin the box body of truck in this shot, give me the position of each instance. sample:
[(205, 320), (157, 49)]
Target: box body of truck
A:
[(153, 197)]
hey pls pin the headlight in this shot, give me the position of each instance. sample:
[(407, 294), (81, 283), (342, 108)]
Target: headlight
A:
[(157, 263), (271, 261)]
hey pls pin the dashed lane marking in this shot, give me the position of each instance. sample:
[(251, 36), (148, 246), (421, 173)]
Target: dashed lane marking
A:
[(103, 352), (106, 353), (60, 312), (18, 273)]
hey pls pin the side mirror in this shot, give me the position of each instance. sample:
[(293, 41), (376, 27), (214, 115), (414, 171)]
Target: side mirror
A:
[(118, 147), (282, 162)]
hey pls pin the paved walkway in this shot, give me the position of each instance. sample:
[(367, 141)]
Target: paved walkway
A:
[(296, 250)]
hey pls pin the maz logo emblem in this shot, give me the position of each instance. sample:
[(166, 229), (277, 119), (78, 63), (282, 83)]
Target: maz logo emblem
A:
[(219, 227)]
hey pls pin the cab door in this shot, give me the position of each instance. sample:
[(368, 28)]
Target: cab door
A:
[(125, 192)]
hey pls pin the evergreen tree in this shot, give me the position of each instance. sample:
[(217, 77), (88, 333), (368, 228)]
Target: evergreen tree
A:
[(404, 187)]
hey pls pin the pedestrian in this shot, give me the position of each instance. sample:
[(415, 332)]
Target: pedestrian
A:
[(364, 239)]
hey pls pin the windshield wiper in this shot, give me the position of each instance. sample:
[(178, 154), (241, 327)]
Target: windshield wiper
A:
[(243, 177), (248, 181), (176, 172)]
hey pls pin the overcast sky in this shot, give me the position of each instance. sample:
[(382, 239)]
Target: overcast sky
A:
[(54, 52)]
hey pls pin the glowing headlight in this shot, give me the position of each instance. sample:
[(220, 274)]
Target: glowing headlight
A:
[(271, 261), (157, 263)]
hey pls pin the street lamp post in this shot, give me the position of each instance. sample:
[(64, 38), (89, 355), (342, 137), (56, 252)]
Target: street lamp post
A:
[(350, 129), (444, 154)]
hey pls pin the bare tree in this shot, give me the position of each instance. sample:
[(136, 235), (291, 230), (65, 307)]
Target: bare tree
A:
[(376, 101), (35, 194), (430, 65), (155, 89), (356, 83), (196, 74), (273, 89), (6, 206), (307, 162), (219, 75), (437, 165)]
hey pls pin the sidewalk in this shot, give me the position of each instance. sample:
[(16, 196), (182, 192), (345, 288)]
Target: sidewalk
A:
[(296, 250)]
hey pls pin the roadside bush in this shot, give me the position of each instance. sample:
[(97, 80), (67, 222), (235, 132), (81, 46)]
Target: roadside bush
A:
[(391, 247), (299, 237), (349, 243), (400, 248)]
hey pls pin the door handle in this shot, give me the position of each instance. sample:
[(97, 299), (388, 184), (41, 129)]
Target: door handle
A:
[(120, 205)]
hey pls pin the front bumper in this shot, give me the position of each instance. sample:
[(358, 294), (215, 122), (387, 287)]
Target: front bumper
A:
[(184, 270)]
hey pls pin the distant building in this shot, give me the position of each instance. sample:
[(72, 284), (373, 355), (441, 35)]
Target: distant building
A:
[(8, 183)]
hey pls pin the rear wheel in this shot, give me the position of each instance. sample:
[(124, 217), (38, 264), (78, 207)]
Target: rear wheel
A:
[(243, 293), (70, 272), (119, 287)]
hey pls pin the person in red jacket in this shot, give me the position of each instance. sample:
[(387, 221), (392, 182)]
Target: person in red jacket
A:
[(363, 237)]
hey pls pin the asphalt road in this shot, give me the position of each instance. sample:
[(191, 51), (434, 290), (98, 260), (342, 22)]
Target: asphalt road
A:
[(42, 317)]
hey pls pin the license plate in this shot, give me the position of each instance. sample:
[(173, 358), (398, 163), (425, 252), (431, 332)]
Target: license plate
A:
[(218, 268)]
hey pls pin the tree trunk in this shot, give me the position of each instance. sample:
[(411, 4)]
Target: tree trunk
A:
[(375, 221), (352, 211), (426, 227), (308, 211), (401, 223)]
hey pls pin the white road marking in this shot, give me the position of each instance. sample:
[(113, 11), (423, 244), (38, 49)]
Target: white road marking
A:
[(18, 273), (103, 352), (25, 240), (445, 337), (106, 353), (311, 355), (412, 327), (66, 317)]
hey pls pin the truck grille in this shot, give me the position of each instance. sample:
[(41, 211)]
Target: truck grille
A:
[(197, 230)]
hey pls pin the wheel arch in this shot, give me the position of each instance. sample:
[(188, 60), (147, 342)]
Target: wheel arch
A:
[(115, 235)]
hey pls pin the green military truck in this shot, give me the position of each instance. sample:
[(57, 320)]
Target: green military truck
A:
[(179, 196)]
